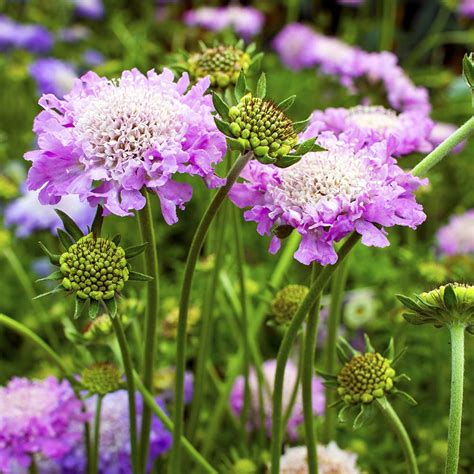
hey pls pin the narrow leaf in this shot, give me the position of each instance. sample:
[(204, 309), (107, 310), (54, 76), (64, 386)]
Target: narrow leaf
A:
[(69, 225), (287, 103), (137, 276), (79, 307), (389, 352), (111, 306), (343, 412), (405, 397), (301, 125), (116, 239), (255, 65), (223, 127), (131, 252), (250, 48), (368, 344), (58, 289), (65, 239), (365, 416), (221, 107), (288, 160), (96, 227), (57, 275), (408, 302), (450, 299), (241, 87), (262, 86), (53, 258), (398, 357)]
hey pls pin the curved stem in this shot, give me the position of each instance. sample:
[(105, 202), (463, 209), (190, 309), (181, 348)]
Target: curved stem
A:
[(443, 148), (152, 308), (158, 411), (307, 378), (132, 409), (397, 426), (191, 261), (337, 292), (455, 410), (95, 446), (287, 342)]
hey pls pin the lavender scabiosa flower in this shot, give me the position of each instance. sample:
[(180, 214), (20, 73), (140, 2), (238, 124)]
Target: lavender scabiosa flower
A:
[(163, 382), (91, 9), (37, 417), (29, 215), (371, 124), (466, 8), (291, 375), (33, 38), (327, 195), (93, 58), (457, 236), (441, 131), (107, 140), (53, 76), (331, 460)]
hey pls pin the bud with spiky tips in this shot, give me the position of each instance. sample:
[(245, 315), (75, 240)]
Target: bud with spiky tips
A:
[(93, 268), (255, 124), (286, 302), (101, 378), (449, 305)]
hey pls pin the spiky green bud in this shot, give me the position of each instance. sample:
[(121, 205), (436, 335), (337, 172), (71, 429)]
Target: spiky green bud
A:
[(364, 378), (286, 303), (94, 267), (101, 378)]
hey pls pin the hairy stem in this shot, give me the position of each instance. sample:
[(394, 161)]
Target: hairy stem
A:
[(96, 444)]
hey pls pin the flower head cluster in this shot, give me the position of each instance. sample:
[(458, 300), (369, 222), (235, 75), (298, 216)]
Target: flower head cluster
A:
[(37, 418), (101, 378), (331, 460), (53, 76), (286, 302), (327, 195), (457, 236), (291, 377), (245, 21), (370, 124), (91, 9), (107, 140), (29, 215), (33, 38)]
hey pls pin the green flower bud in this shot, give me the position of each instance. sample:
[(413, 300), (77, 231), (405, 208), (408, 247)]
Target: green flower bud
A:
[(97, 328), (244, 466), (365, 378), (101, 378), (94, 268), (286, 303)]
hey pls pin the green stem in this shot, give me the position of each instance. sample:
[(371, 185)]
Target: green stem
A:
[(397, 426), (334, 319), (287, 342), (152, 309), (95, 446), (455, 410), (387, 30), (433, 158), (33, 466), (132, 409), (191, 261), (158, 411)]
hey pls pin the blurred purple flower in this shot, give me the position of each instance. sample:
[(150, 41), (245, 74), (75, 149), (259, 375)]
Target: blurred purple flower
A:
[(53, 76), (93, 58), (291, 375), (457, 236), (74, 33), (351, 3), (91, 9), (441, 131), (33, 38), (466, 8), (29, 215)]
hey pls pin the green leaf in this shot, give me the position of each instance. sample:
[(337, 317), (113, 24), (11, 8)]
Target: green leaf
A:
[(65, 239), (57, 275), (58, 289), (202, 46), (69, 225), (116, 239), (408, 302), (241, 87), (132, 252), (53, 258), (80, 304), (365, 416), (111, 306), (306, 146), (235, 144), (398, 357), (255, 65), (221, 107), (368, 344), (326, 375), (414, 319), (94, 306), (450, 299), (389, 352), (288, 160), (287, 103), (262, 86), (137, 276), (96, 227), (402, 378), (250, 48), (223, 127), (229, 96), (345, 351), (405, 397), (343, 412), (266, 160)]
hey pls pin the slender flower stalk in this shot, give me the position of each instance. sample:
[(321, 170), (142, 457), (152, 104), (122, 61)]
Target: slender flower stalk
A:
[(457, 385), (397, 426), (193, 255), (334, 318), (152, 308), (285, 347), (95, 447)]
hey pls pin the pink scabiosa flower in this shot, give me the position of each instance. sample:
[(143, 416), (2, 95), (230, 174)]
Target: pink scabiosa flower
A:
[(53, 76), (466, 8), (457, 236), (441, 131), (37, 418), (107, 140), (327, 195), (291, 376), (370, 124)]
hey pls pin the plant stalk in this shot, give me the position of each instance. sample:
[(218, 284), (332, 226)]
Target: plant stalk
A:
[(95, 446)]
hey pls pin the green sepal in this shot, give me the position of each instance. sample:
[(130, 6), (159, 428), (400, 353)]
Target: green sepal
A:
[(79, 306), (229, 96), (336, 403), (288, 160), (53, 258), (287, 103), (331, 383), (365, 416), (398, 357), (405, 397), (132, 252), (69, 225), (301, 125), (408, 302), (343, 412), (57, 275), (261, 90), (250, 48), (255, 65), (266, 160), (468, 69), (235, 144), (137, 276), (345, 351), (416, 320), (202, 46), (368, 345), (449, 297), (401, 378), (94, 306), (306, 146), (240, 87), (96, 227), (111, 305), (223, 127), (326, 375), (65, 239), (58, 289), (116, 239), (389, 352), (221, 107)]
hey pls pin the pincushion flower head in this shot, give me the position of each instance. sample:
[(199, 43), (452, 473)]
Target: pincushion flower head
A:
[(457, 236), (327, 195), (93, 268), (291, 378), (37, 417), (108, 140), (370, 124)]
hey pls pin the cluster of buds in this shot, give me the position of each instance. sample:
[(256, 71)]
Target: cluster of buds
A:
[(448, 305), (101, 378), (286, 302), (93, 268)]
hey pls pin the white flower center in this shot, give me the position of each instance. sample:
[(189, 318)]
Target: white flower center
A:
[(323, 175), (122, 122), (373, 117)]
